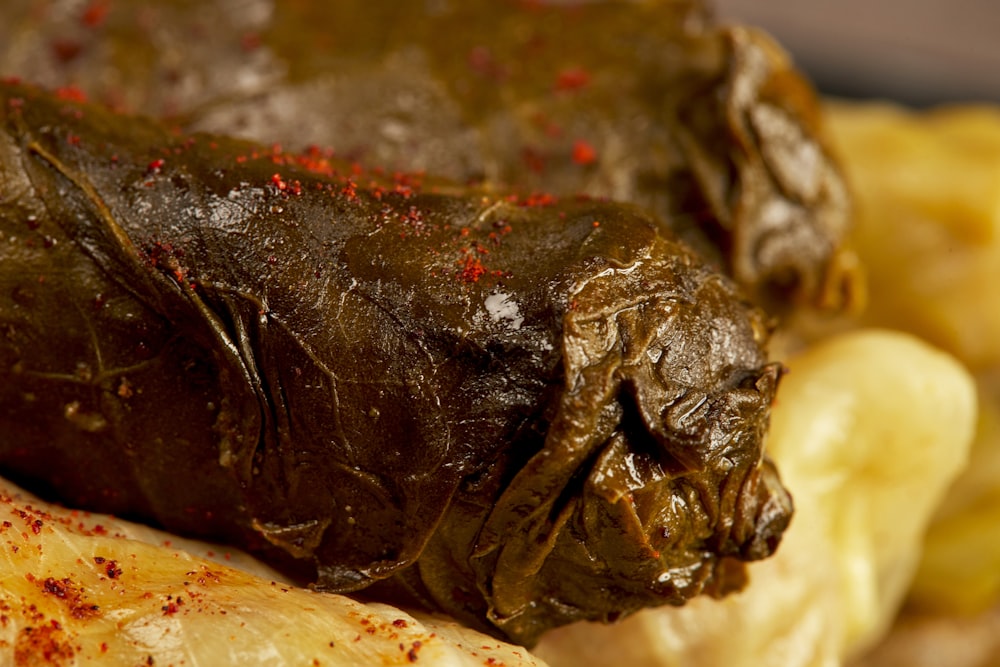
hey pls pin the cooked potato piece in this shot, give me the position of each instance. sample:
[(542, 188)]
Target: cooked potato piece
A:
[(77, 589), (928, 199), (928, 231)]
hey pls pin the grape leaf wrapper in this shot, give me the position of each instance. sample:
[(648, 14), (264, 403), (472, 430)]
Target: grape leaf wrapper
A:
[(652, 102), (519, 412)]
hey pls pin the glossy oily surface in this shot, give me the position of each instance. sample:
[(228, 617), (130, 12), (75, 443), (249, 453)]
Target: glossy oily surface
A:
[(520, 411), (654, 103)]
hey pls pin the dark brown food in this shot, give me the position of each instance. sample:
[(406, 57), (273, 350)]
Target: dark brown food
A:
[(649, 102), (519, 412)]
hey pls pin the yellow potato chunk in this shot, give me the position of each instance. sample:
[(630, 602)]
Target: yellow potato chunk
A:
[(928, 198), (79, 589), (927, 189)]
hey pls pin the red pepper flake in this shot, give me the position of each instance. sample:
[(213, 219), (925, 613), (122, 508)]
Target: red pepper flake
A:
[(73, 140), (124, 388), (472, 269), (36, 526), (112, 569), (71, 94), (54, 587), (44, 644), (572, 79), (350, 190), (583, 153), (414, 218), (250, 41), (66, 50), (95, 13), (71, 595), (596, 224), (155, 166), (411, 655), (537, 200)]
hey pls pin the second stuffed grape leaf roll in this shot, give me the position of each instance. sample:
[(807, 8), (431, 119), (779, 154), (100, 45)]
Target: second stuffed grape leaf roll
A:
[(654, 102), (516, 411)]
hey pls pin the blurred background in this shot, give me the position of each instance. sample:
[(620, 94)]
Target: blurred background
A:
[(920, 52)]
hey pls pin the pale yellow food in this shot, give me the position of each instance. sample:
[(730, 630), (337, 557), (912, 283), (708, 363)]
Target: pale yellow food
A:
[(869, 430), (927, 192), (927, 188), (77, 590)]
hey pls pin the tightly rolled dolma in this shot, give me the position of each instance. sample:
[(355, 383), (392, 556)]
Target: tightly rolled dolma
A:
[(519, 412), (651, 102)]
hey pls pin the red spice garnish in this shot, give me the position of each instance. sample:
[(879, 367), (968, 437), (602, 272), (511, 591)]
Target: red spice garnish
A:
[(350, 190), (54, 587), (44, 644), (583, 152), (112, 569), (71, 94), (71, 595), (572, 79), (95, 13), (73, 140), (155, 166), (411, 655), (534, 200), (66, 50), (124, 388), (472, 269)]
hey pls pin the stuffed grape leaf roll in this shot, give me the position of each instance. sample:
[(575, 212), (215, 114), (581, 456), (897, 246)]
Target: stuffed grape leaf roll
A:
[(652, 101), (517, 411)]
